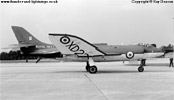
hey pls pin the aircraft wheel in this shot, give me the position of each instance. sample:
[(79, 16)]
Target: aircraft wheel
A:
[(92, 69), (140, 69)]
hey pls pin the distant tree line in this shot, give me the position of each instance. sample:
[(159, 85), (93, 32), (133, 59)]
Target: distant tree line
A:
[(14, 55)]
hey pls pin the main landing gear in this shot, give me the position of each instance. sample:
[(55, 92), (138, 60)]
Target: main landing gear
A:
[(90, 67)]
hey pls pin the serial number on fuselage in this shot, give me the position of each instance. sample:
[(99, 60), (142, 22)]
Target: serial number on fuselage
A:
[(45, 46)]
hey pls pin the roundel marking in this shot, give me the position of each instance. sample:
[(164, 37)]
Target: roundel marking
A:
[(65, 40), (130, 55)]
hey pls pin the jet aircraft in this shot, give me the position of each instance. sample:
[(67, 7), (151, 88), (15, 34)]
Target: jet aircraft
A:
[(30, 46), (75, 47)]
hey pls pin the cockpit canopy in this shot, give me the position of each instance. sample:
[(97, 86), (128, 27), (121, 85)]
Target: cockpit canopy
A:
[(147, 45)]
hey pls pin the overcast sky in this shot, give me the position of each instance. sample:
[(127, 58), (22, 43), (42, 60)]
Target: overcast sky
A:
[(106, 21)]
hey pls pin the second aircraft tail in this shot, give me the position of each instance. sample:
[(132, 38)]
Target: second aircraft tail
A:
[(24, 37)]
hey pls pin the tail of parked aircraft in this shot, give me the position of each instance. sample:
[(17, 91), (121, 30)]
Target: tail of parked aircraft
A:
[(24, 37), (70, 44)]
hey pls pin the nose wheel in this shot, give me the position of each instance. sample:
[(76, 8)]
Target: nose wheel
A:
[(141, 68)]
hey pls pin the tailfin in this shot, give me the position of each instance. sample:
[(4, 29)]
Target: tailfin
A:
[(70, 44), (24, 37)]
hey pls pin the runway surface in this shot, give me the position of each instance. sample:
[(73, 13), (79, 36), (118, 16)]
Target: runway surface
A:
[(70, 81)]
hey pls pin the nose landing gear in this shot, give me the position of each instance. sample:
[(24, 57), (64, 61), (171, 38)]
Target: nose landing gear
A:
[(141, 67)]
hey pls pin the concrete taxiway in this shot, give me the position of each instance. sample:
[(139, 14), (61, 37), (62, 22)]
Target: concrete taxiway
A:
[(70, 81)]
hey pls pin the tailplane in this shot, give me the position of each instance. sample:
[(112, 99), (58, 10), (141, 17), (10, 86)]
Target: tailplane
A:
[(24, 37), (70, 44)]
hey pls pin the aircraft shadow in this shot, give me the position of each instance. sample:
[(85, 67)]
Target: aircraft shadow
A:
[(129, 71), (112, 71), (150, 64), (116, 71)]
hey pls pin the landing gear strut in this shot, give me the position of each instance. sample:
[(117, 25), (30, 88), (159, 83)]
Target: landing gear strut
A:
[(26, 59), (143, 61), (87, 66), (38, 59), (90, 67)]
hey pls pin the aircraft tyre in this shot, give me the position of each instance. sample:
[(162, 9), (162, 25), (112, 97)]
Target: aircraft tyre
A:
[(140, 69), (92, 69)]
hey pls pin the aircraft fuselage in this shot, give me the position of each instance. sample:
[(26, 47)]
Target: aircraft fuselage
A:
[(119, 53)]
